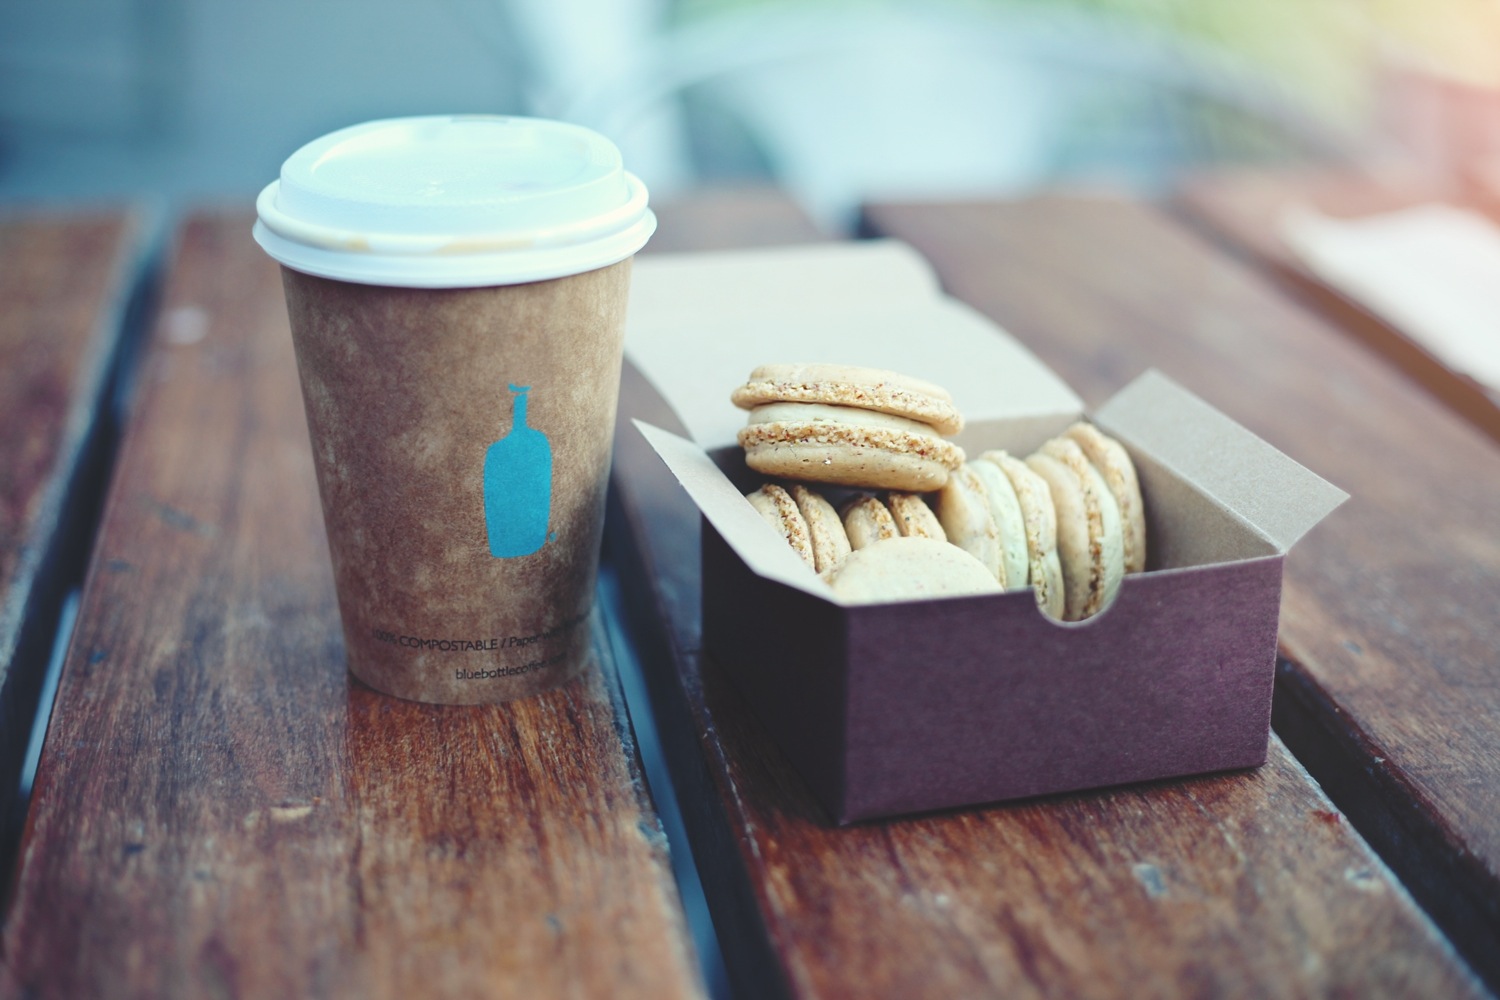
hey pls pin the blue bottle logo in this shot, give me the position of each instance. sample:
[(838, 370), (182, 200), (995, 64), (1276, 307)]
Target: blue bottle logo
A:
[(518, 485)]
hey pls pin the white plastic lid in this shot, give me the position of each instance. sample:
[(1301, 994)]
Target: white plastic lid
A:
[(453, 201)]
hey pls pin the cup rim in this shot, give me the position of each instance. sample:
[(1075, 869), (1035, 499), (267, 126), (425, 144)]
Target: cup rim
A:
[(438, 258)]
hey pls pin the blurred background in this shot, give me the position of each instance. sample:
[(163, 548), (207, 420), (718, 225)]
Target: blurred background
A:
[(194, 101)]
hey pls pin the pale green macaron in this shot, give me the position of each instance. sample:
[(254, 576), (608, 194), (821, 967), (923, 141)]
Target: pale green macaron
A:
[(1090, 542), (1006, 510), (963, 509), (1113, 462), (1044, 568)]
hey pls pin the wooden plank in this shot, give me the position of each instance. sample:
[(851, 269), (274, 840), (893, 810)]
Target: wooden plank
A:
[(1242, 884), (66, 282), (730, 219), (1388, 618), (222, 810), (1240, 209), (652, 534)]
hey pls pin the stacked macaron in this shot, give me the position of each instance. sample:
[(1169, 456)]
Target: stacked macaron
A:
[(1068, 522), (849, 426)]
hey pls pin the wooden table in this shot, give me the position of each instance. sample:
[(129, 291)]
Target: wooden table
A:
[(70, 290), (1241, 210), (221, 810), (1245, 884)]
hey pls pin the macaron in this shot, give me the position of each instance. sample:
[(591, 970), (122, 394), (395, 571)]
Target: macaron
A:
[(1005, 508), (866, 520), (780, 511), (1044, 569), (830, 544), (847, 385), (914, 519), (848, 426), (1090, 542), (905, 569), (1113, 462), (963, 509)]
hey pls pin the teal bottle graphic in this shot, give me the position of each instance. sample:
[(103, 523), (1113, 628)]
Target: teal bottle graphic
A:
[(518, 485)]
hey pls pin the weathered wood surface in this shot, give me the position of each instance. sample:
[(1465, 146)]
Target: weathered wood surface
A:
[(1388, 623), (1242, 209), (222, 811), (1248, 884), (731, 219), (65, 282)]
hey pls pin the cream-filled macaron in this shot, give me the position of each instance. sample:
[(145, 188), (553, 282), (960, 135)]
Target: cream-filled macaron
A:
[(1006, 510), (1044, 570), (849, 385), (1089, 538), (780, 511), (830, 544), (904, 569), (866, 520), (963, 509), (914, 519), (847, 446), (1113, 462), (849, 426)]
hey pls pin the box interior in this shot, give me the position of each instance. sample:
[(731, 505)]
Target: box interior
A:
[(1187, 524), (1184, 525), (1213, 491)]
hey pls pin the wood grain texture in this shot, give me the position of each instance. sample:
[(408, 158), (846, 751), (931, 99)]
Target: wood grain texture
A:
[(1388, 614), (1241, 210), (222, 811), (730, 219), (65, 281), (652, 534), (1247, 884)]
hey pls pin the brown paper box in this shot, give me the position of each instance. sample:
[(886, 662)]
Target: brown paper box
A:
[(465, 574), (900, 708)]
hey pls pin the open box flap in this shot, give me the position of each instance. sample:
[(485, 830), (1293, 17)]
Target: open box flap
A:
[(1276, 496), (700, 286), (878, 313), (739, 523)]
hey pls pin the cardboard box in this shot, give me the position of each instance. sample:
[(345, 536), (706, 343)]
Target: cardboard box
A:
[(899, 708)]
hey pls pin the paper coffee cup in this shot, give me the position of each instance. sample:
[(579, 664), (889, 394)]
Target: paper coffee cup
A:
[(456, 288)]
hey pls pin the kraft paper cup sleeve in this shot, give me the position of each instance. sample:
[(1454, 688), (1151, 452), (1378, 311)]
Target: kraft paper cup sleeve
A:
[(408, 393)]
